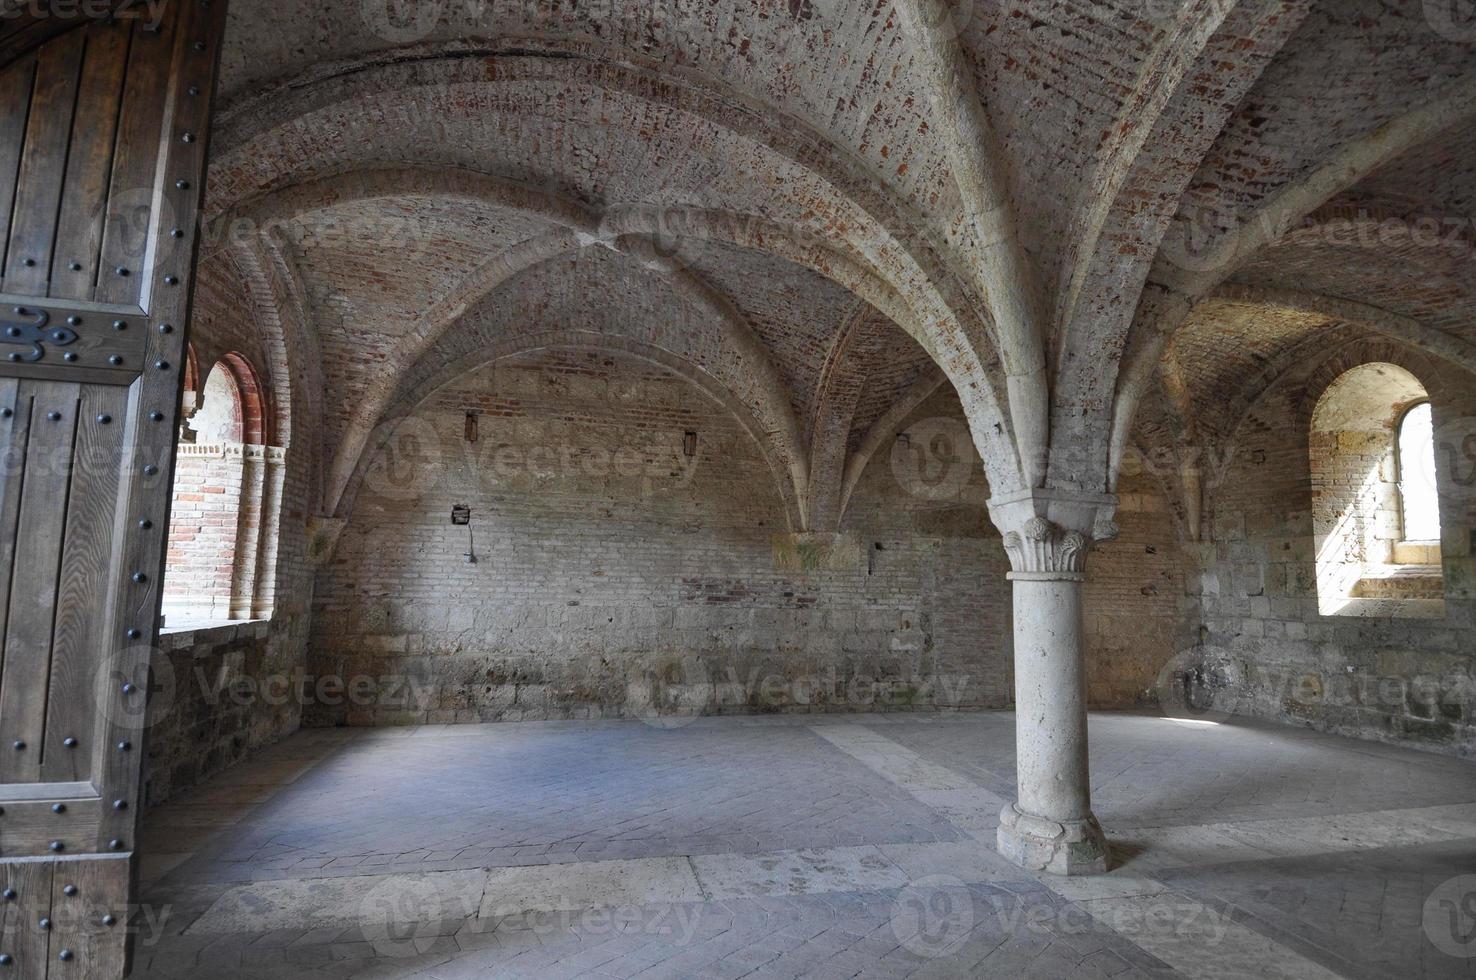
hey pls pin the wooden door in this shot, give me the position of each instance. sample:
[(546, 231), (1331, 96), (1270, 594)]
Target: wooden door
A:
[(102, 151)]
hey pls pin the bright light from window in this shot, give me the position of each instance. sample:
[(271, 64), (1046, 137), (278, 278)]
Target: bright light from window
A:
[(1417, 475)]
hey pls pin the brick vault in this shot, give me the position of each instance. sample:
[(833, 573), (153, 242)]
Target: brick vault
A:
[(828, 355)]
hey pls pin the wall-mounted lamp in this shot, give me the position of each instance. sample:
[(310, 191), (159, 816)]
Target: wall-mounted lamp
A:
[(461, 515), (689, 444)]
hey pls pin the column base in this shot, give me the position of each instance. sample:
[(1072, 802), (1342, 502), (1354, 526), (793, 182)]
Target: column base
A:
[(1073, 847)]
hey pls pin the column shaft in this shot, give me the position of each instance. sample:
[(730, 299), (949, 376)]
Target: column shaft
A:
[(1050, 698), (1047, 535)]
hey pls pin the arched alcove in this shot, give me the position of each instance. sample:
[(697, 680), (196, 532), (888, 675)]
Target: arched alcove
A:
[(1374, 506), (217, 417), (222, 497)]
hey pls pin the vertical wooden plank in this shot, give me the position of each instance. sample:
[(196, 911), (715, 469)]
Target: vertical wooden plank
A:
[(132, 190), (167, 298), (83, 893), (90, 162), (83, 587), (15, 429), (16, 83), (20, 938), (43, 165), (43, 506)]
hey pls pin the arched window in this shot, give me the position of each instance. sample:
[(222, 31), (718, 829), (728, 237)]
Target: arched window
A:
[(217, 418), (1376, 513), (1419, 502), (220, 491)]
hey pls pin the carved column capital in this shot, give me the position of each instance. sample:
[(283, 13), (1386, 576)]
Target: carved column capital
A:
[(1047, 533), (1042, 546)]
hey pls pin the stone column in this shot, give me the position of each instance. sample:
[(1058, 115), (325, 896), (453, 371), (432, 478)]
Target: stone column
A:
[(1047, 534)]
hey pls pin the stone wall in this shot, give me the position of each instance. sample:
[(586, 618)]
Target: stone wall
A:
[(215, 697), (1264, 648), (221, 690), (616, 576), (1136, 611)]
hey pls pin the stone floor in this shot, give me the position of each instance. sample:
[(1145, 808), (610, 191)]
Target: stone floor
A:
[(842, 846)]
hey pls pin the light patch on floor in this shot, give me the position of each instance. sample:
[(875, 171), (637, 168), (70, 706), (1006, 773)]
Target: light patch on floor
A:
[(893, 762), (806, 872), (969, 807), (321, 902), (1258, 840), (589, 884), (1201, 942), (972, 862)]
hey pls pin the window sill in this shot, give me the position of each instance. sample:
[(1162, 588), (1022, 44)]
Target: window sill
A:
[(1422, 608), (1416, 553), (213, 632), (1401, 583)]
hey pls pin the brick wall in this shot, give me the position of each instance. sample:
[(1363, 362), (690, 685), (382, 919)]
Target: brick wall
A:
[(663, 583), (617, 576), (204, 524), (1136, 611)]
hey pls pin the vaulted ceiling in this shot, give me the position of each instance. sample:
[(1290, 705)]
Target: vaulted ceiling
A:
[(821, 208)]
